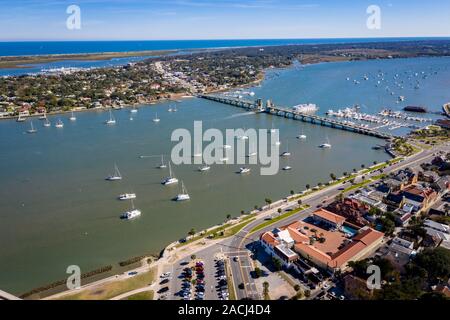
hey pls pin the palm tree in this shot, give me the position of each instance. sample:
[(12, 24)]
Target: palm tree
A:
[(345, 173), (191, 232), (279, 211), (308, 186), (363, 166), (228, 216), (332, 176), (292, 192), (268, 201)]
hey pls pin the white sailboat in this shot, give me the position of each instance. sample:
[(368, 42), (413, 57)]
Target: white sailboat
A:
[(133, 213), (116, 175), (244, 170), (134, 110), (162, 165), (184, 195), (72, 117), (286, 153), (326, 145), (59, 124), (302, 136), (111, 120), (156, 119), (198, 152), (204, 168), (170, 179), (43, 117), (47, 123), (32, 129)]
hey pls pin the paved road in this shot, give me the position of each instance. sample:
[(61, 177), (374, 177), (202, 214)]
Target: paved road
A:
[(243, 240)]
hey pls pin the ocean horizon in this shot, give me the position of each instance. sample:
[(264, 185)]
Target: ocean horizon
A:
[(27, 48)]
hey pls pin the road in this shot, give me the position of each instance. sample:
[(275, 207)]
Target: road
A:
[(242, 241)]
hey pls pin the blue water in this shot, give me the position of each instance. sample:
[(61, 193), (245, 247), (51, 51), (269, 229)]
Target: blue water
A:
[(67, 47), (349, 230)]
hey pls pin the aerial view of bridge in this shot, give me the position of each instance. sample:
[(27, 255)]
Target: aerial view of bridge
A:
[(258, 106)]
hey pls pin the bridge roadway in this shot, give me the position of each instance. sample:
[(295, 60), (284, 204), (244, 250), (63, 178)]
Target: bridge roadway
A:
[(290, 113)]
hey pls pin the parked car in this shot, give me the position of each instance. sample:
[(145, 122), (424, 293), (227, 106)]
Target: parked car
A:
[(164, 289), (166, 275), (164, 281)]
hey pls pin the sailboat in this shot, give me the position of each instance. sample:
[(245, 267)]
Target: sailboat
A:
[(111, 120), (134, 110), (326, 145), (116, 175), (170, 179), (183, 196), (32, 129), (59, 124), (286, 153), (204, 168), (156, 119), (72, 117), (197, 153), (47, 123), (302, 136), (133, 213), (162, 165), (287, 167), (273, 130), (43, 117), (244, 170)]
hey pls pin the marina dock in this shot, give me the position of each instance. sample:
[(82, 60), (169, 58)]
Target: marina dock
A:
[(270, 108)]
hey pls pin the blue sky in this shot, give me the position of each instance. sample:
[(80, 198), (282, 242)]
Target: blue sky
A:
[(220, 19)]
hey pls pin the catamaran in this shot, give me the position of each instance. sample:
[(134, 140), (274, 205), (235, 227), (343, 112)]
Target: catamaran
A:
[(111, 120), (156, 119), (32, 129), (170, 179), (59, 124), (162, 165), (127, 196), (133, 213), (184, 195), (116, 175), (72, 117)]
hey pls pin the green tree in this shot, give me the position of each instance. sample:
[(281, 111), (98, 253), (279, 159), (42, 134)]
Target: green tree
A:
[(258, 272), (436, 261), (191, 232)]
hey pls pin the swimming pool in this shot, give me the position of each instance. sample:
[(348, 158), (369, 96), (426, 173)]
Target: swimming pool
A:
[(349, 230)]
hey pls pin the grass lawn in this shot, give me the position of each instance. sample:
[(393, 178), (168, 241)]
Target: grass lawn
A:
[(147, 295), (112, 289), (225, 229), (281, 217)]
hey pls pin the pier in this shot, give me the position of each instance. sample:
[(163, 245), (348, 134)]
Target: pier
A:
[(271, 108)]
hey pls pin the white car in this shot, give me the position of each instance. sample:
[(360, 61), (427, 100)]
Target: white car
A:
[(166, 275)]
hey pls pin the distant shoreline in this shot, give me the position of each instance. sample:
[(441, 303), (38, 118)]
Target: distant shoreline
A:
[(23, 62)]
